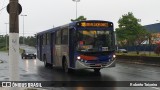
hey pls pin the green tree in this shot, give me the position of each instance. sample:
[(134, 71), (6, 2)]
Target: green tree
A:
[(3, 40), (80, 18), (21, 39), (130, 32), (30, 40)]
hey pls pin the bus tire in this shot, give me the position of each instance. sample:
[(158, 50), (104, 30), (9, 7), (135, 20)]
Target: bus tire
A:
[(97, 70), (45, 62), (65, 65)]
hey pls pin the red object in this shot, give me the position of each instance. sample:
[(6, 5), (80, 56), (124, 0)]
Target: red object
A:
[(81, 42), (88, 57)]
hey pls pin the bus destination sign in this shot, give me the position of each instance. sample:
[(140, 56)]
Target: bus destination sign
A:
[(94, 24)]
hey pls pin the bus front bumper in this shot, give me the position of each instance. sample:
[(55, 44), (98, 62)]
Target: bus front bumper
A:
[(82, 65)]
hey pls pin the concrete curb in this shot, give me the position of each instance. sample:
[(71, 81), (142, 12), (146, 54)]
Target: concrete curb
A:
[(139, 63)]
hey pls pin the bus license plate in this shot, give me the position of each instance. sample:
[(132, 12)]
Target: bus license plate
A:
[(98, 64)]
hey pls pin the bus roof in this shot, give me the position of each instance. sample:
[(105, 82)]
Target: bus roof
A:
[(71, 24)]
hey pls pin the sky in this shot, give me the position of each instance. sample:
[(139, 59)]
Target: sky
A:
[(46, 14)]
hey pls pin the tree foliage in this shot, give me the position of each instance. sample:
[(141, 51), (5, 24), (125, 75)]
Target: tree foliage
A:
[(80, 18), (3, 39), (130, 32), (29, 40)]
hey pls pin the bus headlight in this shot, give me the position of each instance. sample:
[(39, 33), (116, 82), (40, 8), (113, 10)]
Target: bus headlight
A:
[(78, 57), (114, 56)]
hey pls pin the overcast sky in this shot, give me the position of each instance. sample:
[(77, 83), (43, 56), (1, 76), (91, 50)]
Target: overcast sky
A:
[(44, 14)]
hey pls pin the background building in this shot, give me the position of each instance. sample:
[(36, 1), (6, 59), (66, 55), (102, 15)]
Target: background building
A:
[(154, 29)]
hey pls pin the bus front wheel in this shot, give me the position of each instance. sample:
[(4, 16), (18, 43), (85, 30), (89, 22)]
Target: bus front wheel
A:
[(97, 70), (65, 66)]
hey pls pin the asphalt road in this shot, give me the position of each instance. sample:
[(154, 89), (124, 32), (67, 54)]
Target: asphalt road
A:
[(33, 70)]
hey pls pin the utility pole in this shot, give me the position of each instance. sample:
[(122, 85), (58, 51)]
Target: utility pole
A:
[(14, 9), (13, 41)]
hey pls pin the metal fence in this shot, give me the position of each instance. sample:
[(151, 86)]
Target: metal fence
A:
[(144, 47)]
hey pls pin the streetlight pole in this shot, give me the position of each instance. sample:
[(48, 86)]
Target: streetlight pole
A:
[(76, 6), (23, 27), (6, 36)]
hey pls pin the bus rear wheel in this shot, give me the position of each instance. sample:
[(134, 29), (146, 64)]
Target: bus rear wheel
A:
[(45, 62)]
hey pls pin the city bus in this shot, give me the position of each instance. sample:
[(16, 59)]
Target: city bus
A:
[(88, 44)]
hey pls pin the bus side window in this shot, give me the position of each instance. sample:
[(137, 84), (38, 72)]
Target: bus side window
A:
[(65, 36), (58, 37), (48, 38), (44, 39), (41, 38)]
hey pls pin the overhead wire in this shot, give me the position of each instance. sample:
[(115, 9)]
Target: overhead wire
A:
[(3, 7)]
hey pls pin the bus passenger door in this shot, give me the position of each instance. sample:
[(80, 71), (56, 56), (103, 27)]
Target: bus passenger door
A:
[(48, 48), (57, 48), (72, 47)]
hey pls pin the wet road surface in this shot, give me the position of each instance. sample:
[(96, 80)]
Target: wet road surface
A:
[(34, 70)]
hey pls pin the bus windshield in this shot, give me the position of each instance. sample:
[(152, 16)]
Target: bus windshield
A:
[(95, 40)]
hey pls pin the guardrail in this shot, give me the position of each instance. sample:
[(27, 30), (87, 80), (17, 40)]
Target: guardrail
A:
[(139, 59)]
